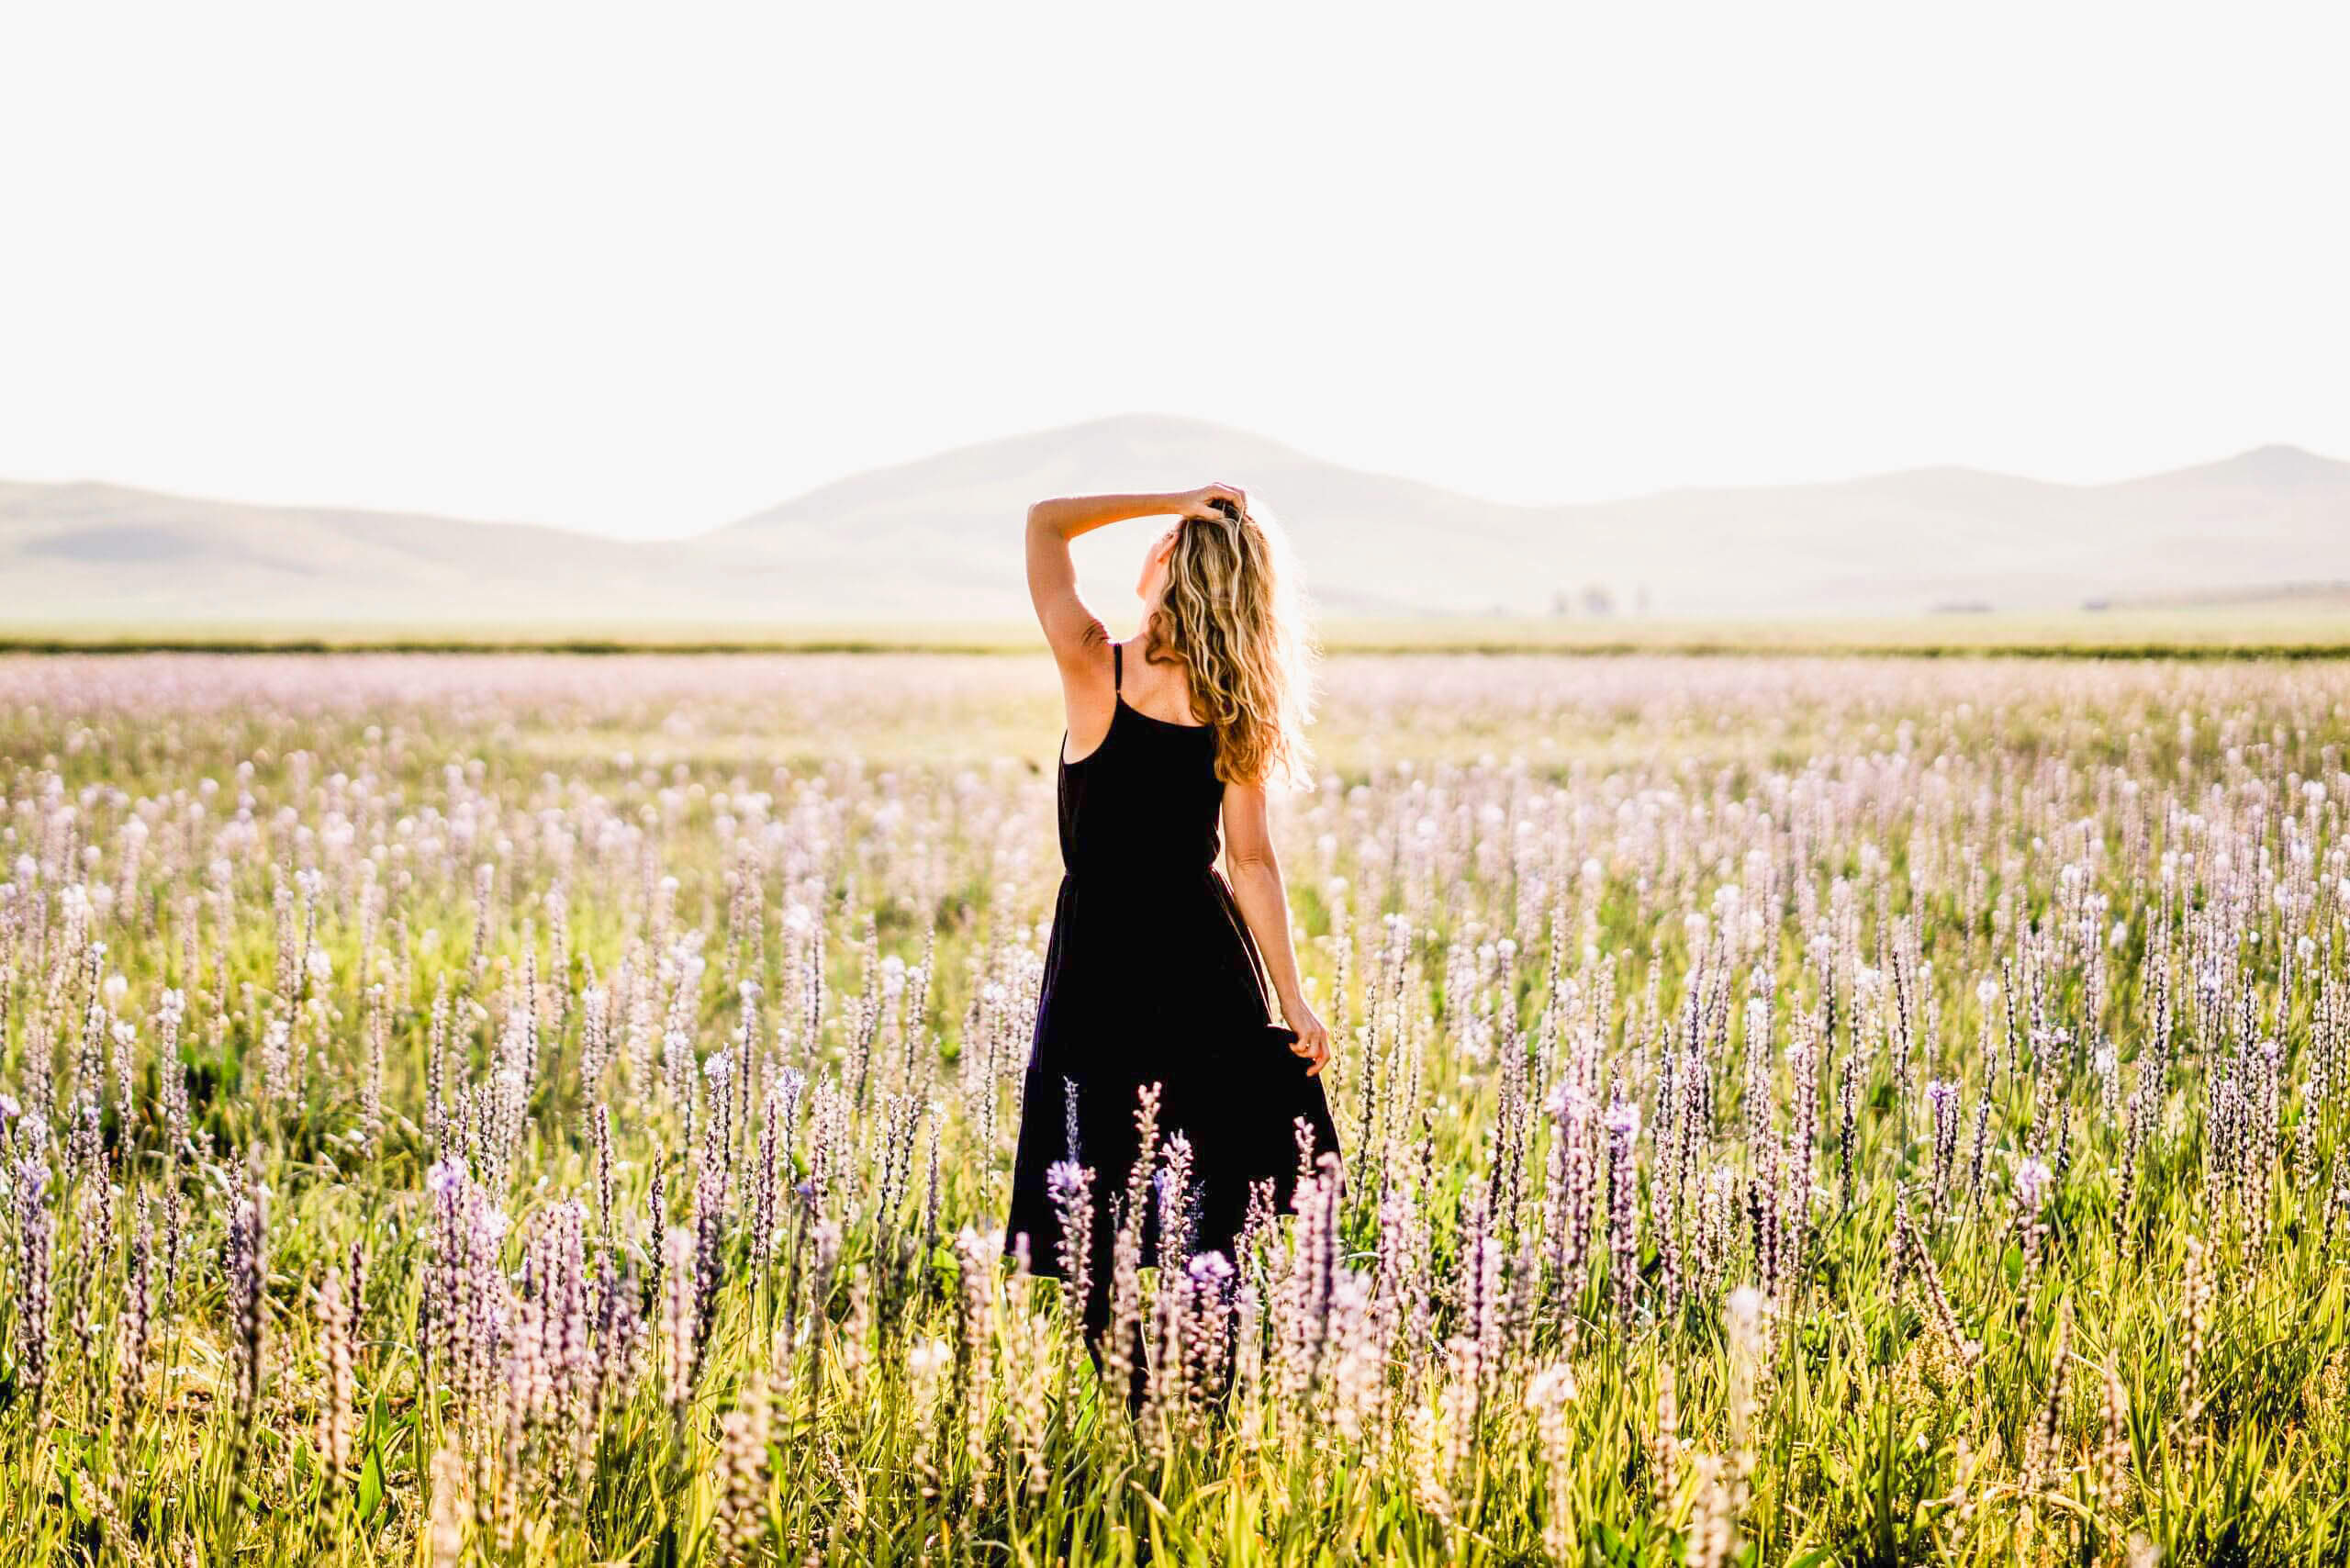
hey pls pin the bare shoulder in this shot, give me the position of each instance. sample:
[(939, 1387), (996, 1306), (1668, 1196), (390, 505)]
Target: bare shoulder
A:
[(1088, 699), (1085, 655), (1081, 645)]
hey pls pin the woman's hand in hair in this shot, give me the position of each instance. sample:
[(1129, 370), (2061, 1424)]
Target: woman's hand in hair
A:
[(1196, 503), (1313, 1038)]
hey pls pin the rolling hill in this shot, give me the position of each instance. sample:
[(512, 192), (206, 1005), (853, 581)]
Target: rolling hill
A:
[(937, 540)]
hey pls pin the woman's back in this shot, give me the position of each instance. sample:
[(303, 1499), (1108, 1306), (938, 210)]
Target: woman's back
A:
[(1142, 805)]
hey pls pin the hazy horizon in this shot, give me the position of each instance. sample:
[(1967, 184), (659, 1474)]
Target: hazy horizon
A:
[(937, 540), (541, 266), (685, 529)]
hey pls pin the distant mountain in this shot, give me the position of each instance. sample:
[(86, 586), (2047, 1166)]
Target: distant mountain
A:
[(2309, 599), (926, 537), (107, 553), (938, 539)]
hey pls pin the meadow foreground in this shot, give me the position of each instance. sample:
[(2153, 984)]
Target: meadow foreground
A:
[(558, 1110)]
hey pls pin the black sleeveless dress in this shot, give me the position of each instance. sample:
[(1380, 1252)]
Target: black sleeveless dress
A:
[(1151, 977)]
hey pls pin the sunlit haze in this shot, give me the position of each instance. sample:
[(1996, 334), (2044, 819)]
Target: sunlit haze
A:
[(648, 273)]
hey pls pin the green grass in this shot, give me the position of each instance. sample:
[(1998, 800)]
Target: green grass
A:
[(1892, 827)]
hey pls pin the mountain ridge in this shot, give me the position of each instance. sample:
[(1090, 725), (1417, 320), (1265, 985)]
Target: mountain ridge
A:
[(935, 539)]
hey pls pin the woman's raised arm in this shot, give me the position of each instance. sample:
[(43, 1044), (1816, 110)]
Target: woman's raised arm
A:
[(1073, 631)]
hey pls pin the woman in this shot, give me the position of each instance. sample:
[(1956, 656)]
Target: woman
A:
[(1157, 968)]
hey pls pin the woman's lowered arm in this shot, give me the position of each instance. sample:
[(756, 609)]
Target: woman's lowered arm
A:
[(1257, 889)]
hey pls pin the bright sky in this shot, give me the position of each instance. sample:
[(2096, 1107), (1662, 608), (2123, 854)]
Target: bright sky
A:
[(648, 271)]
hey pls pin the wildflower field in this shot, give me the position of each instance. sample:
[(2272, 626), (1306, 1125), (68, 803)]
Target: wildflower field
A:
[(558, 1110)]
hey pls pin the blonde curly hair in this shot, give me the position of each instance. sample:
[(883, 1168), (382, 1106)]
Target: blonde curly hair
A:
[(1231, 616)]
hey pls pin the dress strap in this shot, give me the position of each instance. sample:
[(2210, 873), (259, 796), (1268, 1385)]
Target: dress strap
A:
[(1117, 669)]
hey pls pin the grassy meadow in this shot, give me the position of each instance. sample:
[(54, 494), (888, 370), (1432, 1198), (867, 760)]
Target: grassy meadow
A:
[(527, 1108)]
